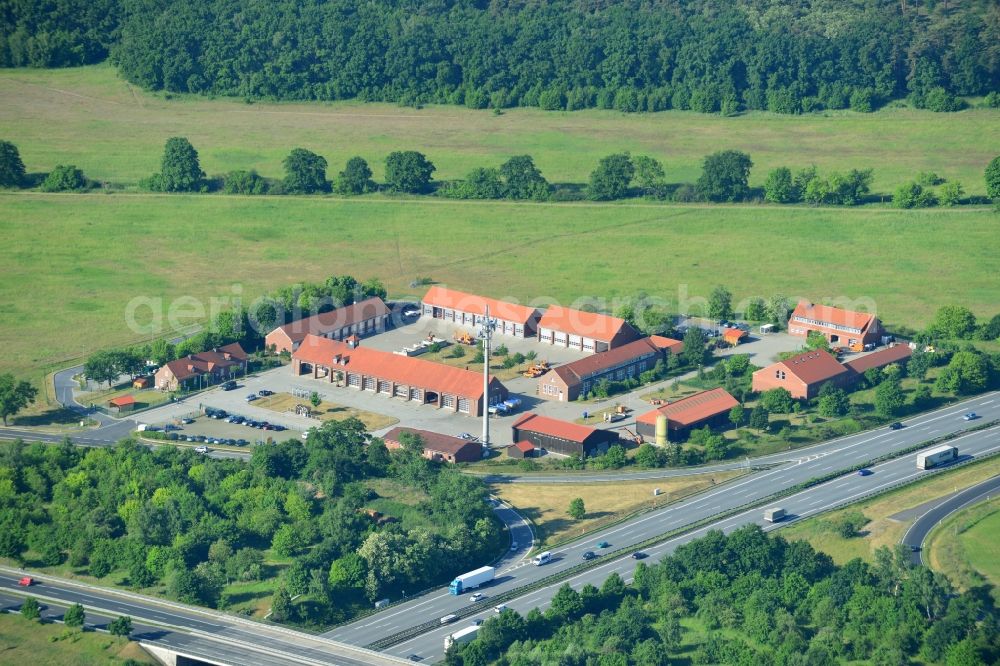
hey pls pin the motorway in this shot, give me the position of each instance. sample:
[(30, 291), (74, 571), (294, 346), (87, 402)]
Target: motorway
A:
[(807, 464), (921, 527), (216, 636)]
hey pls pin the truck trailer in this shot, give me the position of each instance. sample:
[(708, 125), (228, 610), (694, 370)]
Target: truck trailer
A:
[(471, 580), (939, 455), (461, 636), (774, 515)]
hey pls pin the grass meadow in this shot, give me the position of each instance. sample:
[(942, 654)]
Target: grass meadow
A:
[(73, 263), (965, 547), (30, 642), (115, 132)]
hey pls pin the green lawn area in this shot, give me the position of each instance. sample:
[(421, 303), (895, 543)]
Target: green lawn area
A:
[(966, 547), (89, 117), (101, 253), (29, 642)]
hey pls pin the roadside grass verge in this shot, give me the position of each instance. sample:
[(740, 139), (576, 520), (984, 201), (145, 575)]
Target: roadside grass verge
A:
[(546, 505), (965, 547), (31, 642), (882, 529)]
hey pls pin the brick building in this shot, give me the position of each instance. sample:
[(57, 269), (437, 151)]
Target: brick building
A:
[(841, 328), (562, 437), (438, 447), (894, 354), (570, 381), (587, 331), (360, 319), (521, 450), (709, 408), (394, 375), (469, 310), (802, 375), (202, 369)]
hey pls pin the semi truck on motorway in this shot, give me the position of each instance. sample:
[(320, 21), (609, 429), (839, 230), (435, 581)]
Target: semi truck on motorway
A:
[(471, 580), (461, 636), (774, 515), (939, 455)]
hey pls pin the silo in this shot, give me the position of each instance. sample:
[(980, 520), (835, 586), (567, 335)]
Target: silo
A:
[(661, 430)]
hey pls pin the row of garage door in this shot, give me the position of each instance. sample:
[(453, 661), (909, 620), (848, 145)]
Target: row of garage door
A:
[(566, 340), (366, 383), (467, 319)]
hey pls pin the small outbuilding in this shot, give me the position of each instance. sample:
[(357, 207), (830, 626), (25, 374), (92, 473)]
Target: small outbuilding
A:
[(521, 450), (733, 336), (142, 382), (562, 437), (123, 403)]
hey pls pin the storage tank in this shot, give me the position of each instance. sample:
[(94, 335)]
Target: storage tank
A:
[(661, 430)]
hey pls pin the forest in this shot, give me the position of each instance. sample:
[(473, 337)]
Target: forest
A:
[(787, 56), (295, 518), (750, 599)]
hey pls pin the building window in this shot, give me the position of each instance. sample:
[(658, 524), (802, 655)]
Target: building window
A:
[(780, 374)]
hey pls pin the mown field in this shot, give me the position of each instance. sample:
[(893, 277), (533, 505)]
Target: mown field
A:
[(29, 642), (89, 117), (966, 548), (72, 264)]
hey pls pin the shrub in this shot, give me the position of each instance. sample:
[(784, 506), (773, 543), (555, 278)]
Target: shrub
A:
[(64, 178), (912, 195)]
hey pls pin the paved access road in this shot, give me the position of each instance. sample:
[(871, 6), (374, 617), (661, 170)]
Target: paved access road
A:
[(222, 638), (810, 463), (840, 491), (918, 531)]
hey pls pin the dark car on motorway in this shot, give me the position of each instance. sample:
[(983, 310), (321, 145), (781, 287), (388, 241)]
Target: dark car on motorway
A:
[(639, 555), (589, 555), (896, 426), (864, 472)]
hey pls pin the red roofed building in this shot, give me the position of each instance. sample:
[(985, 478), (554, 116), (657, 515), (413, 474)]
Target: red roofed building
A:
[(394, 375), (841, 328), (570, 381), (562, 437), (470, 310), (362, 318), (437, 447), (705, 408), (668, 344), (732, 336), (202, 369), (586, 331), (521, 450), (123, 403), (802, 375), (879, 359)]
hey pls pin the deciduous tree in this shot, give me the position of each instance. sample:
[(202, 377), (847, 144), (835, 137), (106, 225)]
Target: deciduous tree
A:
[(180, 170), (14, 395), (356, 178), (64, 178), (408, 171), (611, 179), (305, 172), (725, 176), (576, 509), (74, 616)]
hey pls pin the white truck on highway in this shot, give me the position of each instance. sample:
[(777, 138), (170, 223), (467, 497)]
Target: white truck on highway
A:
[(461, 636), (472, 580), (774, 515), (936, 456)]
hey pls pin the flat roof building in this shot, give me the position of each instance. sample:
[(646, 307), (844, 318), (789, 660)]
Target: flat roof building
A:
[(587, 331), (562, 437), (394, 375)]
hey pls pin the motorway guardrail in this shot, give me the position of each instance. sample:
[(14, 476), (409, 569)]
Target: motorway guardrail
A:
[(564, 574)]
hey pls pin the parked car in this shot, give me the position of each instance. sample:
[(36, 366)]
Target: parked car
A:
[(201, 449), (639, 555), (589, 555), (228, 386), (241, 442), (513, 547), (864, 472), (219, 414), (603, 544), (465, 435), (252, 397), (499, 408), (411, 312), (478, 596), (187, 421), (173, 436), (512, 403), (265, 392), (279, 428), (896, 426), (171, 426), (971, 416)]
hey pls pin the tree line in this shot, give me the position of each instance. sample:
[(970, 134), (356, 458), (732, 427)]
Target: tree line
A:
[(194, 525), (725, 177), (749, 599), (793, 56)]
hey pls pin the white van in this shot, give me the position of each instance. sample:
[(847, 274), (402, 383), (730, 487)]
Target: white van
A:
[(542, 558)]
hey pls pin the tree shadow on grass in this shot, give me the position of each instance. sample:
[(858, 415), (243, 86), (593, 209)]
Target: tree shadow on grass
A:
[(56, 416)]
